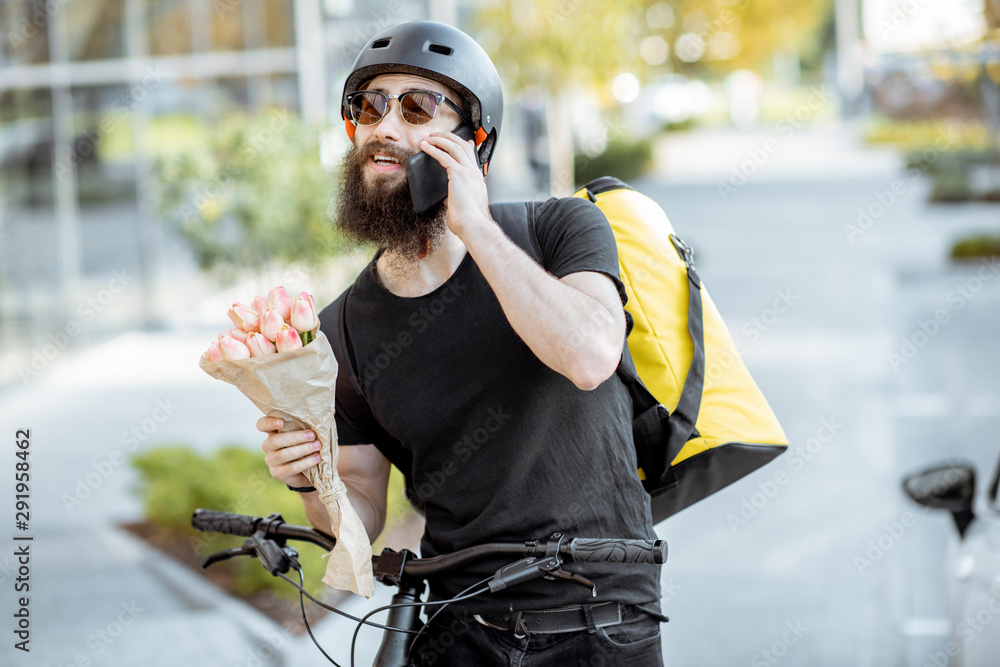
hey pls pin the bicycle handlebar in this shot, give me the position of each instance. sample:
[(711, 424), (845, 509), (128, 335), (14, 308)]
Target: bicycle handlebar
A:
[(590, 550), (214, 521), (535, 558), (583, 549)]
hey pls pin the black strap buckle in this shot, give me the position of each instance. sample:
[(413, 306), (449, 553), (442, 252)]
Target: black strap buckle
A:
[(686, 253)]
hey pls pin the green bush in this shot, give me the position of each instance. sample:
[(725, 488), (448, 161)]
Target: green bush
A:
[(174, 480), (950, 135), (976, 247), (949, 171), (623, 159), (253, 193)]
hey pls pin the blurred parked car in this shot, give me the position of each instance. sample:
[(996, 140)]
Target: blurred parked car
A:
[(972, 563)]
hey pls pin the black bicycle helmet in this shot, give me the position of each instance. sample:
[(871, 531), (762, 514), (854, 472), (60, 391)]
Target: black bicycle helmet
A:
[(441, 53)]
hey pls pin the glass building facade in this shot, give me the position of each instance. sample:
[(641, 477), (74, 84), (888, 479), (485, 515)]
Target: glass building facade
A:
[(90, 91)]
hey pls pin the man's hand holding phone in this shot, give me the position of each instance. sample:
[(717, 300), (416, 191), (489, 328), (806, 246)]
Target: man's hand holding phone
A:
[(468, 201)]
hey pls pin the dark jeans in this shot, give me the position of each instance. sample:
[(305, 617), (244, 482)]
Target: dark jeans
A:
[(461, 641)]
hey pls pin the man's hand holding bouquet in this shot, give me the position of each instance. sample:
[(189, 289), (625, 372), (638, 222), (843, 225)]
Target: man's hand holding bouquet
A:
[(277, 356)]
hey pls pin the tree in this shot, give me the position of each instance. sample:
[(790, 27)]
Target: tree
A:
[(746, 33), (558, 45), (252, 196)]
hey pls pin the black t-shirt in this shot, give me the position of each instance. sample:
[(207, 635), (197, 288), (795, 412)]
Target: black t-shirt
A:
[(504, 448)]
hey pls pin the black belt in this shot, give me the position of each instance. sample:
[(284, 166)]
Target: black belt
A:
[(553, 621)]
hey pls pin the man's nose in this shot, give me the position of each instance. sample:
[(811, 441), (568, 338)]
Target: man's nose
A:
[(389, 128)]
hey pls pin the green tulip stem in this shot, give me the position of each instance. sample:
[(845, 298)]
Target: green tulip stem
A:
[(307, 337)]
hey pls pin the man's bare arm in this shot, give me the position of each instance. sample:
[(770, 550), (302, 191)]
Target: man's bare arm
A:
[(575, 326), (362, 468)]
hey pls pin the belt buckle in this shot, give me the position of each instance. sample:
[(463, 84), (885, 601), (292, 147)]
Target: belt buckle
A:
[(484, 622), (517, 626), (520, 632)]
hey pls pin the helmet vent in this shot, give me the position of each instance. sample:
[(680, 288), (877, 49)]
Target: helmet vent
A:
[(440, 48), (380, 44)]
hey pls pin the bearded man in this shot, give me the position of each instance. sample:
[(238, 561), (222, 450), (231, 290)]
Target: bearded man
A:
[(487, 379)]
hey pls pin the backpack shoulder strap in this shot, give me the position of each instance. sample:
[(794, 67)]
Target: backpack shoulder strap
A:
[(666, 432), (351, 402), (517, 220), (350, 398)]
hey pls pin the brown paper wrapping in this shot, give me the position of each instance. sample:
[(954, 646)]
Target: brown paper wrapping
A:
[(299, 387)]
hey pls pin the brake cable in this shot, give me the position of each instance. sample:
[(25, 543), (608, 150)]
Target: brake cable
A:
[(302, 606), (442, 603), (413, 644)]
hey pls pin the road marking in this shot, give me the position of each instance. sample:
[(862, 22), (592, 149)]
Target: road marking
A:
[(922, 405), (925, 627), (983, 405), (945, 405)]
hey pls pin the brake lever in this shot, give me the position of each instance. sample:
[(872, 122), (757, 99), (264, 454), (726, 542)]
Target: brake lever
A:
[(220, 556), (556, 572), (520, 571), (274, 556)]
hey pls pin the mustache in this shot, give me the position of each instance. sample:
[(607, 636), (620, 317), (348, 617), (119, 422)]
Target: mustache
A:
[(369, 149), (381, 213)]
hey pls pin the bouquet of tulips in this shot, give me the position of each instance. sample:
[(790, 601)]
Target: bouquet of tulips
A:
[(275, 324), (277, 356)]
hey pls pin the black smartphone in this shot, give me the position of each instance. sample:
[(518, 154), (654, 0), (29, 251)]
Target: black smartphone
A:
[(428, 179)]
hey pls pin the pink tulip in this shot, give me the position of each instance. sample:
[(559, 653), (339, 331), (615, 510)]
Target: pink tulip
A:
[(244, 318), (304, 313), (278, 298), (288, 339), (232, 349), (307, 295), (259, 345), (270, 322), (213, 353), (238, 334), (259, 304)]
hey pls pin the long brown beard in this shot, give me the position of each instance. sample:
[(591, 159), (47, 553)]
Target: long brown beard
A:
[(381, 213)]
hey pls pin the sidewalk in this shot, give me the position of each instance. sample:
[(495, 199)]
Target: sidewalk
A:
[(770, 153), (98, 594)]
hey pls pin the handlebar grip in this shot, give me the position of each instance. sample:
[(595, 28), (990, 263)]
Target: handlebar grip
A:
[(214, 521), (582, 549)]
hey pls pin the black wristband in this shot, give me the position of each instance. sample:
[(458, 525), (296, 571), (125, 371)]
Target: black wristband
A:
[(300, 489)]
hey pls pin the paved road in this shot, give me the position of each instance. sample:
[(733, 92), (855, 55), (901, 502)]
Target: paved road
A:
[(803, 561)]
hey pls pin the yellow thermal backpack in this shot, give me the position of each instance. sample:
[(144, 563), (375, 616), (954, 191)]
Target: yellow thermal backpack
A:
[(699, 420)]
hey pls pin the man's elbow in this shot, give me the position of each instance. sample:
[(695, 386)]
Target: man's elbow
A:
[(589, 371)]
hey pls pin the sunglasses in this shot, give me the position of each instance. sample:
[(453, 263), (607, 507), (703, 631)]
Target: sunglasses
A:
[(417, 107)]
